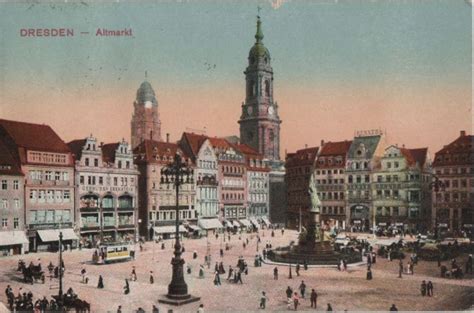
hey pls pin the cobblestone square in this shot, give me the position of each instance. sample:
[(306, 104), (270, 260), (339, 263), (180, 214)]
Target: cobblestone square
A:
[(343, 290)]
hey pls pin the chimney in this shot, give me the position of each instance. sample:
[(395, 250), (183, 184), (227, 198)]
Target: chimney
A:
[(322, 142), (167, 137), (305, 145), (463, 133), (101, 144)]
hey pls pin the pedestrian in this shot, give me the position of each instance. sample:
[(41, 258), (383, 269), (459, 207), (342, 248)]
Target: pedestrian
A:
[(329, 309), (239, 277), (469, 264), (119, 309), (289, 292), (140, 310), (133, 275), (216, 267), (275, 273), (201, 308), (423, 288), (83, 274), (221, 251), (126, 288), (314, 298), (201, 271), (217, 279), (305, 265), (429, 288), (100, 284), (296, 301), (195, 254), (297, 269), (393, 308), (302, 288), (289, 303), (263, 300), (400, 268), (369, 274), (439, 260), (152, 280), (155, 309)]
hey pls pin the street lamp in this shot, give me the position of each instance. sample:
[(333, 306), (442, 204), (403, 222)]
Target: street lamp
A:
[(60, 293), (177, 173), (436, 186)]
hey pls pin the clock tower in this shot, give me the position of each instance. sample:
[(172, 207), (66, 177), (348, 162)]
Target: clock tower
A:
[(259, 121), (146, 122)]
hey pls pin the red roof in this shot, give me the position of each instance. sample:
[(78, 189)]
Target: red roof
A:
[(8, 166), (194, 142), (458, 152), (76, 147), (414, 156), (219, 143), (34, 136), (335, 148), (108, 152), (150, 150), (302, 157)]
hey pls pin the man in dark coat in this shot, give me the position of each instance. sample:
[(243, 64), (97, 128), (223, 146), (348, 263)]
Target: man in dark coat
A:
[(400, 269), (393, 308), (314, 298), (297, 269), (289, 292), (275, 273), (302, 288), (469, 264), (429, 288), (100, 284), (423, 288)]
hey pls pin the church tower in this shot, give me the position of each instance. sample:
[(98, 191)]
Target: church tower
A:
[(146, 122), (259, 122)]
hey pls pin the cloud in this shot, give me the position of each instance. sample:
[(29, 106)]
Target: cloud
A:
[(276, 4)]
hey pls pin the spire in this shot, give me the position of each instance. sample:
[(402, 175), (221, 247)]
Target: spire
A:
[(259, 34), (146, 75)]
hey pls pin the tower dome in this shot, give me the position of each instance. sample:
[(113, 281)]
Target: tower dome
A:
[(146, 93), (258, 49)]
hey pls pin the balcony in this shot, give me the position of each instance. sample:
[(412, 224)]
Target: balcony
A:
[(126, 226), (89, 209), (126, 208)]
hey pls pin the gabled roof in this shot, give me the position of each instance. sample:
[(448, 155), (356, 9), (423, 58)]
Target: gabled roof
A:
[(414, 156), (108, 152), (8, 166), (154, 151), (76, 147), (458, 152), (302, 157), (194, 142), (219, 143), (369, 142), (34, 136), (335, 148)]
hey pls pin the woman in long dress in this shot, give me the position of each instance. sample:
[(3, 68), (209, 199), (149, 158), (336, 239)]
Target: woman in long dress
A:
[(100, 284)]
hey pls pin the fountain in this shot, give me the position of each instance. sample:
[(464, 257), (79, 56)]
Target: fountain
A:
[(312, 248)]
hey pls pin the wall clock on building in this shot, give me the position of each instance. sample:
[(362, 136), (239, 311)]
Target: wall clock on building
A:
[(249, 110), (270, 110)]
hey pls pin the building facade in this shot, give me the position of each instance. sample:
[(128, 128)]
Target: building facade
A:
[(401, 189), (299, 168), (146, 122), (330, 182), (363, 156), (453, 200), (157, 199), (12, 182), (258, 184), (106, 191), (232, 177), (48, 166)]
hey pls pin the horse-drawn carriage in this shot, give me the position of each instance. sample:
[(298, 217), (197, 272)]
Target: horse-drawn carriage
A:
[(31, 273), (72, 302)]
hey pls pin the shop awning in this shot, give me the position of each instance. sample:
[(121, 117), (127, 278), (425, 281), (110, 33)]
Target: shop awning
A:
[(228, 224), (235, 223), (12, 237), (245, 223), (49, 235), (194, 227), (209, 223), (170, 229), (255, 222), (265, 220)]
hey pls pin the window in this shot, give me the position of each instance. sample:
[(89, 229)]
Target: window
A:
[(389, 164), (463, 183), (86, 161), (48, 175), (16, 184), (4, 222), (16, 223), (379, 178), (119, 164), (17, 203), (395, 194), (127, 164), (395, 178), (367, 178), (101, 180), (379, 193), (81, 180), (396, 164), (32, 195), (455, 183), (4, 184), (66, 195), (116, 182), (389, 178), (4, 204)]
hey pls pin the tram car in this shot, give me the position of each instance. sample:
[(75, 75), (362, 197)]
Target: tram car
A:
[(113, 252)]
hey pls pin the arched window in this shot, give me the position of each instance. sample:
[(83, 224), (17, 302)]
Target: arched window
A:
[(267, 88), (125, 202)]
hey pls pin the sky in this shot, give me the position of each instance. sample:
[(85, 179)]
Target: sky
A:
[(339, 66)]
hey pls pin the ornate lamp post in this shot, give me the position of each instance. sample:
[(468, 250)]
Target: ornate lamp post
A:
[(436, 185), (177, 173), (60, 293)]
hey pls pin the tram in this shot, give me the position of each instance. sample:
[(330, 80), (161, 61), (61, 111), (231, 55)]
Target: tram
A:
[(113, 252)]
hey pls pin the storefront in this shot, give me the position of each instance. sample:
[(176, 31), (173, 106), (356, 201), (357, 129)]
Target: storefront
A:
[(168, 231), (48, 239), (208, 224), (13, 243)]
